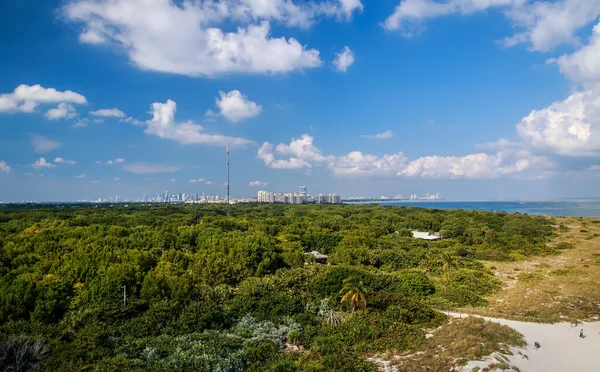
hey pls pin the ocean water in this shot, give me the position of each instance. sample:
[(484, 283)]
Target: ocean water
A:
[(585, 208)]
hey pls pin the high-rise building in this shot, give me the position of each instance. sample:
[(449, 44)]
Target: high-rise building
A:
[(303, 191)]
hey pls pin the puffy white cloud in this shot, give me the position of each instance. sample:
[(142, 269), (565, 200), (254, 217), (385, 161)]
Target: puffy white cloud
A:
[(172, 180), (570, 127), (112, 112), (116, 161), (81, 123), (163, 125), (80, 176), (235, 106), (500, 159), (148, 168), (582, 66), (197, 180), (210, 183), (64, 110), (356, 163), (550, 23), (25, 98), (301, 154), (344, 59), (42, 144), (384, 135), (64, 161), (41, 163), (4, 167), (257, 183), (133, 121), (117, 179), (162, 35), (409, 13)]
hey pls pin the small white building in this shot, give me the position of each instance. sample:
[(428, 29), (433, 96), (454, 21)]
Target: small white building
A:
[(426, 235), (319, 257)]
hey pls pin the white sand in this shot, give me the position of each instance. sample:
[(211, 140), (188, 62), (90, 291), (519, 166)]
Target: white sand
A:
[(562, 350)]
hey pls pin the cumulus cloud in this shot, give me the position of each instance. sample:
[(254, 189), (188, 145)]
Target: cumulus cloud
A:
[(235, 106), (41, 163), (541, 25), (133, 121), (500, 159), (25, 98), (81, 123), (64, 161), (64, 110), (301, 154), (116, 161), (185, 38), (408, 15), (172, 180), (148, 168), (548, 24), (344, 59), (257, 183), (4, 167), (163, 125), (582, 65), (197, 180), (42, 144), (570, 127), (385, 135), (80, 176), (112, 112)]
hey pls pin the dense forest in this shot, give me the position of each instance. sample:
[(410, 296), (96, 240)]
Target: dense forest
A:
[(188, 288)]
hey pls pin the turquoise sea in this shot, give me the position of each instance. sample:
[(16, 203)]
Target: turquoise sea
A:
[(585, 208)]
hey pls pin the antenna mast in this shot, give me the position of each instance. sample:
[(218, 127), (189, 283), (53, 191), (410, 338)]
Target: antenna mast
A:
[(228, 204)]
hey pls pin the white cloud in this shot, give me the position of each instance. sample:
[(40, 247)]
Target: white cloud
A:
[(116, 161), (344, 59), (80, 176), (172, 180), (25, 98), (4, 167), (133, 121), (356, 163), (148, 168), (112, 112), (547, 24), (210, 183), (302, 153), (117, 179), (64, 161), (409, 13), (62, 111), (582, 66), (235, 106), (500, 159), (385, 135), (163, 125), (41, 163), (257, 183), (595, 168), (83, 122), (197, 180), (161, 35), (42, 144), (98, 162), (98, 121), (570, 127)]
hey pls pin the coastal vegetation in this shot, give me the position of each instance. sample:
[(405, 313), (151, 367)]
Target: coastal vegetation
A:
[(189, 288)]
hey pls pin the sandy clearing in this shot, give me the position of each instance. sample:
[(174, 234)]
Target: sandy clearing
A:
[(561, 348)]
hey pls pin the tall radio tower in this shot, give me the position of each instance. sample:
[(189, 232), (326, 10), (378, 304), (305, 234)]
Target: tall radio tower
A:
[(228, 205)]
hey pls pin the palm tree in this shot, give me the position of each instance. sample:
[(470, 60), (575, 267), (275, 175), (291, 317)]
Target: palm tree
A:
[(354, 293), (448, 262)]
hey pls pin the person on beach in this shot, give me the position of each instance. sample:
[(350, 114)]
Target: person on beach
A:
[(537, 345), (581, 333)]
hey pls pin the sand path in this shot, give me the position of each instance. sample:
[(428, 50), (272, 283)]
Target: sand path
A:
[(562, 350)]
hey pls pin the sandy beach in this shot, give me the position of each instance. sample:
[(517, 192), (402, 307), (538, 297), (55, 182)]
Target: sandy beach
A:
[(561, 348)]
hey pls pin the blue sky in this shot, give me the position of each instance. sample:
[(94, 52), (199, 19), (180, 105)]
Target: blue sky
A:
[(470, 98)]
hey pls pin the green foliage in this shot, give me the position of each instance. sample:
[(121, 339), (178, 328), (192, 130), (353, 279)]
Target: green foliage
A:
[(208, 292)]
